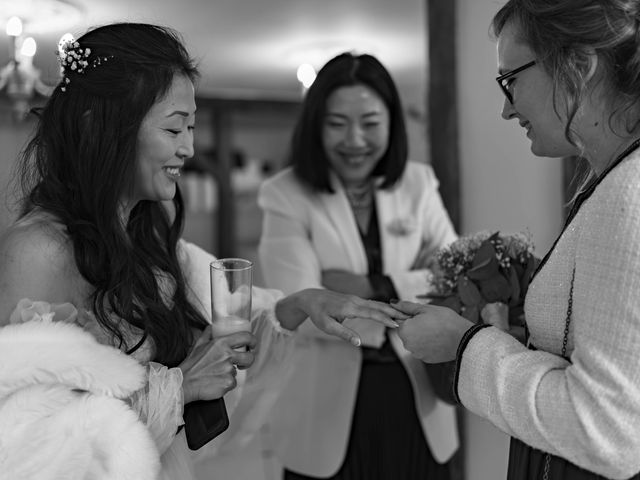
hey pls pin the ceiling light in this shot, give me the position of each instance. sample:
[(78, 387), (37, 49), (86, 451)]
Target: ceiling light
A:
[(306, 75)]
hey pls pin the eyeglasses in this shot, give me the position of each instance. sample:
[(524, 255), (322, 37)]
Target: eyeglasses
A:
[(505, 84)]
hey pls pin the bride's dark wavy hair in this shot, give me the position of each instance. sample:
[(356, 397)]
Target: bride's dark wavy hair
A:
[(81, 162)]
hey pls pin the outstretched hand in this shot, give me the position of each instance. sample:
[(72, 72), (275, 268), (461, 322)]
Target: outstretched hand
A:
[(328, 310), (431, 333)]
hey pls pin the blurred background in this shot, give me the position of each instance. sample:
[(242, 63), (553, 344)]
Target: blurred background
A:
[(255, 57)]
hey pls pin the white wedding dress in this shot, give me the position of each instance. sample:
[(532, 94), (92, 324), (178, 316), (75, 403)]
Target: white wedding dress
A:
[(159, 404)]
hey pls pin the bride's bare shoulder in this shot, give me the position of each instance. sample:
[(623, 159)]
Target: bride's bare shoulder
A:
[(34, 239), (36, 262)]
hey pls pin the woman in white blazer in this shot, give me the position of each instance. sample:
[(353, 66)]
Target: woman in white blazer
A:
[(352, 215)]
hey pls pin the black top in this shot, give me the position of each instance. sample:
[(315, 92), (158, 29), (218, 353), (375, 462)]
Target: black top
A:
[(383, 288)]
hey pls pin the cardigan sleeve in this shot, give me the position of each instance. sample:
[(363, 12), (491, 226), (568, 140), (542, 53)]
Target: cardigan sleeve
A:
[(586, 410)]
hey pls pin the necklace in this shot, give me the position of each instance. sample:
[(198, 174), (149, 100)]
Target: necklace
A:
[(360, 197), (586, 193), (580, 199)]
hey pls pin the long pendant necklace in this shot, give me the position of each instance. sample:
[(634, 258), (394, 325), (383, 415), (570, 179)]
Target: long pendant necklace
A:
[(580, 199), (584, 195)]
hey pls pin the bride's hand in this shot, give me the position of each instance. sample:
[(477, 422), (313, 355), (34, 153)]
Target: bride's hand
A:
[(328, 309), (209, 371)]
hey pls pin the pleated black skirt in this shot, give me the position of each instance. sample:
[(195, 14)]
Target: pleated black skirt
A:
[(386, 440)]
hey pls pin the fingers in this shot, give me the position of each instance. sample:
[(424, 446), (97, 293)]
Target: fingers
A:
[(335, 328), (378, 317), (241, 359), (219, 387), (390, 310), (205, 337), (238, 340), (410, 308), (230, 382), (379, 312), (400, 314)]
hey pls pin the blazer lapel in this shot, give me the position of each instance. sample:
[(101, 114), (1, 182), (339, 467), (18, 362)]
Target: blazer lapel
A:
[(394, 213), (337, 208)]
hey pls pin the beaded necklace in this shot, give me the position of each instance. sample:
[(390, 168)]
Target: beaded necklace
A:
[(360, 197)]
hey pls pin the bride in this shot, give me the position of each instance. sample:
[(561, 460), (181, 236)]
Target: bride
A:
[(104, 310)]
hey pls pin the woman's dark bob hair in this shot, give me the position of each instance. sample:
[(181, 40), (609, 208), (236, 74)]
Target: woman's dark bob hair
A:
[(307, 156)]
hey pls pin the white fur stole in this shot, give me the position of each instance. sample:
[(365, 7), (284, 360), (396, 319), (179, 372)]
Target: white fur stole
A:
[(61, 408)]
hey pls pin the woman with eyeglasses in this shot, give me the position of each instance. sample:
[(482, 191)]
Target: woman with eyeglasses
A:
[(570, 398)]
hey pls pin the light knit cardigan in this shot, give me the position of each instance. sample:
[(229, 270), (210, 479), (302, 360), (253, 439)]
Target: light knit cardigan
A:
[(587, 411)]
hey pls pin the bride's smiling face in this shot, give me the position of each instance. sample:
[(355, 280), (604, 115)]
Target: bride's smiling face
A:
[(165, 141)]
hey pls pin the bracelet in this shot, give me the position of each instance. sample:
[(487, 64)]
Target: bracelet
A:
[(466, 338)]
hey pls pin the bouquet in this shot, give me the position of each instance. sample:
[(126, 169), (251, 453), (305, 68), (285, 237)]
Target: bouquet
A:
[(484, 277)]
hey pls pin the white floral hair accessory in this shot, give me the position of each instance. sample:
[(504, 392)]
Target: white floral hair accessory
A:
[(74, 58)]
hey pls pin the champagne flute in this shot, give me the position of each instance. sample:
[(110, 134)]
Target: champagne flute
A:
[(231, 283)]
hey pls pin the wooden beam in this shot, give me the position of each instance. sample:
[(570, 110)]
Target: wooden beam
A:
[(442, 135), (226, 227), (442, 103)]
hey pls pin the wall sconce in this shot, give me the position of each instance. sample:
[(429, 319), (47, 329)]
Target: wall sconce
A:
[(19, 79), (306, 74)]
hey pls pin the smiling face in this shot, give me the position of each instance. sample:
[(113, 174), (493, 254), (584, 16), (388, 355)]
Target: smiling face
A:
[(532, 91), (165, 141), (355, 133)]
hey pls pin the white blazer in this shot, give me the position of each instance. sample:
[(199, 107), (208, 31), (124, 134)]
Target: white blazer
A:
[(305, 233)]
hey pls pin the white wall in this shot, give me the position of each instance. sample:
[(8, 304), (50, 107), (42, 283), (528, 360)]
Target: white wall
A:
[(504, 187), (13, 136)]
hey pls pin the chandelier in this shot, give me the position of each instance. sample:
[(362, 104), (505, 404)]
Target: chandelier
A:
[(20, 81), (19, 78)]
